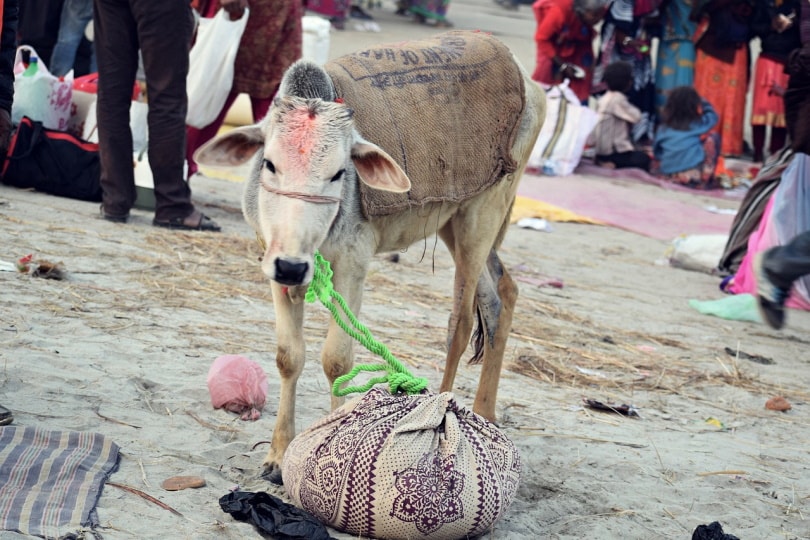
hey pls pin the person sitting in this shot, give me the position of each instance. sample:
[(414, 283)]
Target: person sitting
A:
[(685, 152), (611, 136)]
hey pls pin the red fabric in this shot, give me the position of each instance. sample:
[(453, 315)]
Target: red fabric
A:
[(560, 32), (768, 108)]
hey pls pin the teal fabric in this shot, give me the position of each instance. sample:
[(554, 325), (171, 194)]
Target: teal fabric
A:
[(738, 307)]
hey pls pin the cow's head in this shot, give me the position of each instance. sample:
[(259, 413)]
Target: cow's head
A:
[(310, 155)]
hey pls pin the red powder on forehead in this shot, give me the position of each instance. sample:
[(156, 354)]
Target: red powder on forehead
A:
[(300, 132), (299, 137)]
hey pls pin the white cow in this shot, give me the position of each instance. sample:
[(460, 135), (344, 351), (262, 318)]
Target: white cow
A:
[(304, 195)]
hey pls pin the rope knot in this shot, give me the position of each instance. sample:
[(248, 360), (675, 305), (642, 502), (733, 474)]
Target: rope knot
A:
[(405, 382)]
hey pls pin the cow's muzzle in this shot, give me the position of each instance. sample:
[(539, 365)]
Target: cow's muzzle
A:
[(290, 272)]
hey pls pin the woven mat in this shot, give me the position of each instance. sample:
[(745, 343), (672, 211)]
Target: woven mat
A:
[(50, 481), (446, 108)]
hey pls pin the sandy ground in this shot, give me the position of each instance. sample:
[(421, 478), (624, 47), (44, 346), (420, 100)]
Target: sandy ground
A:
[(123, 346)]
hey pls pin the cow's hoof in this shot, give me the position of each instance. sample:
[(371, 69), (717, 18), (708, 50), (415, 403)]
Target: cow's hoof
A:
[(272, 473)]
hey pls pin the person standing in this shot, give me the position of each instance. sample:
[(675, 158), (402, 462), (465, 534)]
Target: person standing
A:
[(775, 22), (9, 18), (675, 62), (721, 64), (162, 30), (625, 37), (76, 14), (337, 11), (564, 39), (433, 12), (271, 42)]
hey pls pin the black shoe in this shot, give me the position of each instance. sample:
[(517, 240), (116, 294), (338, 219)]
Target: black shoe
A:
[(6, 417), (111, 217), (770, 298)]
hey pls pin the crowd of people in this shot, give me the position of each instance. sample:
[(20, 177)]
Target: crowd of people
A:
[(674, 109)]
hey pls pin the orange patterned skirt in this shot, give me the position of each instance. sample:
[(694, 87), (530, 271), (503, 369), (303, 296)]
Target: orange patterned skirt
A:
[(724, 86)]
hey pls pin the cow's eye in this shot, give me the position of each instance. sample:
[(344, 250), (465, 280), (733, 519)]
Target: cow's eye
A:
[(269, 165), (338, 176)]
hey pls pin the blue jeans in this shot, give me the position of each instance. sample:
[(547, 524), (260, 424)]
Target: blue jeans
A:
[(75, 16)]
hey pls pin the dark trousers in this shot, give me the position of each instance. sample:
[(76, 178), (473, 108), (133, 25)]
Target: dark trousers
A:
[(785, 264), (624, 160), (162, 29)]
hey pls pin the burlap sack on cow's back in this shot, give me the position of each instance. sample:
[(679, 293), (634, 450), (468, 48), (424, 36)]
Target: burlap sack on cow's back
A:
[(402, 467), (446, 108)]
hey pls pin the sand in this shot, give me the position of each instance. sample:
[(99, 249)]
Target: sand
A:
[(123, 346)]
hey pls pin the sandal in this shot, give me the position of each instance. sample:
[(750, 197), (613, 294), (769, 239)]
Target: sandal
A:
[(196, 221), (6, 417)]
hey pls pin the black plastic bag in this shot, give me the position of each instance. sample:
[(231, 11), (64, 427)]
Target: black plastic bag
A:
[(273, 516), (713, 531)]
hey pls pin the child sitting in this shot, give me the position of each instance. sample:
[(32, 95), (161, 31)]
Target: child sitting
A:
[(685, 151), (611, 136)]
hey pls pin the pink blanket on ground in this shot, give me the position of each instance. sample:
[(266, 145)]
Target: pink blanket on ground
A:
[(587, 168), (622, 204)]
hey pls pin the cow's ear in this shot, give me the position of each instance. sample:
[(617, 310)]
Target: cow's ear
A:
[(232, 148), (377, 169)]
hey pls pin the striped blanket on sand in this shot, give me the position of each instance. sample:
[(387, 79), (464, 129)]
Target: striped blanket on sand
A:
[(50, 481)]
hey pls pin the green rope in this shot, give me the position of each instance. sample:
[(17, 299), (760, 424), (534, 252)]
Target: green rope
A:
[(398, 377)]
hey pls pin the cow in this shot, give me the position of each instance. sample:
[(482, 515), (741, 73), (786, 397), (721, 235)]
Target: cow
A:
[(435, 133)]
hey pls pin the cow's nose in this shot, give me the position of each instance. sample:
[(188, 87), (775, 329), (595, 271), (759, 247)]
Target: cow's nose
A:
[(290, 273)]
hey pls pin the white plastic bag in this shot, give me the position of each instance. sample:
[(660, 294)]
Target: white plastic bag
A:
[(564, 133), (41, 96), (697, 252), (210, 73), (316, 38), (138, 114)]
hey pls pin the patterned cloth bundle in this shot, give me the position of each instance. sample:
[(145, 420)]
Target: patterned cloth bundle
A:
[(403, 466)]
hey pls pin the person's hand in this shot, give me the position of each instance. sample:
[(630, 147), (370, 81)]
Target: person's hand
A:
[(780, 23), (776, 90), (571, 71), (235, 8), (5, 131)]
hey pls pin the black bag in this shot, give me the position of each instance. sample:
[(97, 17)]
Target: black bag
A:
[(54, 162)]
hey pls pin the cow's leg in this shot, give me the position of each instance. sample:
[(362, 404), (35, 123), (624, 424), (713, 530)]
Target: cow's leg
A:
[(469, 253), (496, 297), (472, 236), (290, 362), (336, 357)]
